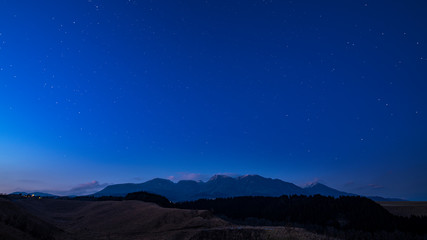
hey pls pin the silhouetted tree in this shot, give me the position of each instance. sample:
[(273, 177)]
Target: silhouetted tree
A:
[(149, 197)]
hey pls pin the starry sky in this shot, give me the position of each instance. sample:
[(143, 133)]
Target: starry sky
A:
[(97, 92)]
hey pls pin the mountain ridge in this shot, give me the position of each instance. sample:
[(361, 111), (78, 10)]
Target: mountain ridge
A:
[(221, 186)]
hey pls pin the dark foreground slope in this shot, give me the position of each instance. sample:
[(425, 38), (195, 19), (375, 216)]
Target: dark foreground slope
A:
[(16, 223), (120, 219), (134, 219)]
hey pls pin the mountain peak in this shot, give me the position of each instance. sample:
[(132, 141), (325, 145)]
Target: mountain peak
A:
[(315, 184), (160, 181), (250, 176), (189, 182), (218, 177)]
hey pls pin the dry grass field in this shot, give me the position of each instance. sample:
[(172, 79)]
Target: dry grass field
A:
[(406, 208), (119, 219), (125, 220), (17, 224)]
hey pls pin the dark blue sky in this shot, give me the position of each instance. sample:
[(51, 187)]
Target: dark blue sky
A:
[(125, 91)]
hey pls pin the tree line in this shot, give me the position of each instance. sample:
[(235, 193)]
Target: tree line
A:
[(346, 212)]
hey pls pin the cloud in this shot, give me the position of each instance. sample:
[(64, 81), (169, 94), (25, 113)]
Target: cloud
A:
[(314, 181), (172, 178), (81, 189), (233, 175), (357, 186), (197, 176), (188, 176), (138, 179), (365, 189), (375, 186), (370, 187), (349, 184), (29, 181), (84, 187), (191, 176)]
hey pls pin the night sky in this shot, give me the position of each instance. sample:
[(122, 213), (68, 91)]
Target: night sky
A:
[(100, 92)]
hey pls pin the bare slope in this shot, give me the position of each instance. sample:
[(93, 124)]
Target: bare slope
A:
[(120, 219)]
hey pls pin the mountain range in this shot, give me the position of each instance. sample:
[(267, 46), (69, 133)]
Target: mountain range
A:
[(38, 194), (221, 186)]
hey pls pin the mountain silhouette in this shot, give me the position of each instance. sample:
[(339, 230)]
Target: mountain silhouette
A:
[(218, 186), (321, 189), (223, 186), (36, 194)]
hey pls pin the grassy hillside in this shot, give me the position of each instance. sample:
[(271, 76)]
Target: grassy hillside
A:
[(134, 219), (16, 223)]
